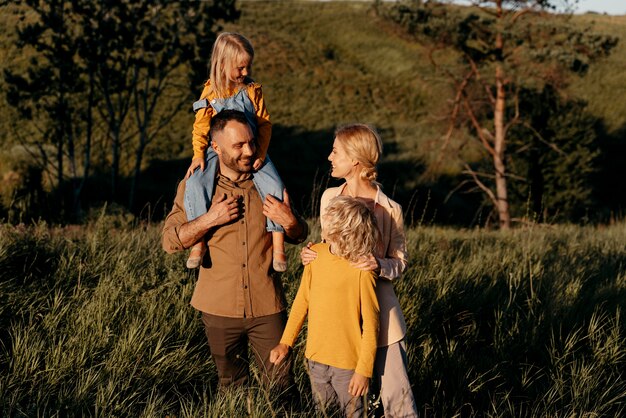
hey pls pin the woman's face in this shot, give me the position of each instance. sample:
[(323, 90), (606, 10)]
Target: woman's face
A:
[(342, 165)]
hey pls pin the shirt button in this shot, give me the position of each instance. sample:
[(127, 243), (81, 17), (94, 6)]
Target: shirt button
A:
[(243, 265), (243, 243), (245, 287)]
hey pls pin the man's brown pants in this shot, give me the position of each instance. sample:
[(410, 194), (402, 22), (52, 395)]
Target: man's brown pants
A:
[(228, 341)]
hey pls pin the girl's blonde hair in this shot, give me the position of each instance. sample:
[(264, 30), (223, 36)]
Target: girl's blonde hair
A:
[(362, 143), (350, 227), (228, 49)]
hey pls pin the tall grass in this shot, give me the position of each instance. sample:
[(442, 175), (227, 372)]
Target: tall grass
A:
[(95, 321)]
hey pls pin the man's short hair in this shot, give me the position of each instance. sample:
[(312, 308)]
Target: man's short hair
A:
[(219, 120)]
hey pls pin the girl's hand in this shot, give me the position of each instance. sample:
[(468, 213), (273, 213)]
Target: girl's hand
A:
[(258, 163), (195, 163), (307, 254), (369, 263), (358, 385), (278, 353)]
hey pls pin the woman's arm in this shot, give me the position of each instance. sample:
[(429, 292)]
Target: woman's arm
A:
[(396, 260)]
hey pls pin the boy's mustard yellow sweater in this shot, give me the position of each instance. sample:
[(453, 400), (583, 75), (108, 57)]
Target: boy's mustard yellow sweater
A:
[(342, 313)]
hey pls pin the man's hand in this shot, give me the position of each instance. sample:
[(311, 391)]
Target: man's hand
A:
[(258, 163), (280, 212), (195, 163), (307, 254), (358, 385), (278, 353), (369, 263), (223, 210)]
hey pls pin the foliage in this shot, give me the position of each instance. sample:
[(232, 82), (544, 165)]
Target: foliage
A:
[(95, 321), (22, 190), (556, 151), (327, 63), (107, 75), (502, 47)]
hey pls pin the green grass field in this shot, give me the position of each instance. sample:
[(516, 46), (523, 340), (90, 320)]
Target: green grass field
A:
[(95, 321)]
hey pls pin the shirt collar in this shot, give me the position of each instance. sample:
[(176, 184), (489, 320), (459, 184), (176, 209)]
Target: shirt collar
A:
[(379, 200)]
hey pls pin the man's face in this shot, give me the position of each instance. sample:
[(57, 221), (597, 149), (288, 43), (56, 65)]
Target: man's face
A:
[(236, 148)]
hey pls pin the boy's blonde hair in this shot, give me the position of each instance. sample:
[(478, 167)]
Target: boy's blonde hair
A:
[(351, 228), (228, 49), (362, 143)]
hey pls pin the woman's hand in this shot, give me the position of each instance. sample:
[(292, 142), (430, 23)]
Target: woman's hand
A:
[(278, 353), (358, 385), (369, 263), (258, 163), (195, 163), (307, 254)]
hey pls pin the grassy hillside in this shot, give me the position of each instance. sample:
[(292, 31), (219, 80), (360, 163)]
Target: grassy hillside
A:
[(95, 321), (327, 63), (605, 85)]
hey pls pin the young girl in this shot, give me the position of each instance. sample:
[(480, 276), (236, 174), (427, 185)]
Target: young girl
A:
[(230, 87), (342, 310), (356, 151)]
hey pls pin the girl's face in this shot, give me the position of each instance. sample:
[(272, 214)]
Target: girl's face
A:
[(239, 71), (342, 165)]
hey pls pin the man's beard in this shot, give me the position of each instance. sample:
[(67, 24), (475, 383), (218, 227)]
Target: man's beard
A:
[(238, 165)]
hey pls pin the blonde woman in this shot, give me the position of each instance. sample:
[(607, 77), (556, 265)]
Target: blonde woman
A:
[(356, 151), (342, 309)]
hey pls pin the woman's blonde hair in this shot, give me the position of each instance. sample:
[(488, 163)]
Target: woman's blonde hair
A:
[(362, 143), (229, 48), (350, 227)]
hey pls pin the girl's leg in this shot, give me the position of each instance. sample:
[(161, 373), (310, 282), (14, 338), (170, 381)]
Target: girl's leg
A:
[(198, 194), (390, 369), (196, 255), (279, 261), (267, 181)]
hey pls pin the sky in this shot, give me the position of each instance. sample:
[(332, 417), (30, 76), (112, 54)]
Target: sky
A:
[(612, 7)]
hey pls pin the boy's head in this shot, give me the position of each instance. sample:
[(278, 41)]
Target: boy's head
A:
[(350, 228)]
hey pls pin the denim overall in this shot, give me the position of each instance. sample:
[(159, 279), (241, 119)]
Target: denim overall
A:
[(201, 184)]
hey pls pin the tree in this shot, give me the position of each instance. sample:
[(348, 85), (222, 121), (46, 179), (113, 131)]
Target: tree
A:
[(502, 46), (556, 148), (115, 70), (139, 51), (47, 93)]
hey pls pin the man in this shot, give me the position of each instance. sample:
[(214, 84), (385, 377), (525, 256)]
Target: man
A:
[(239, 295)]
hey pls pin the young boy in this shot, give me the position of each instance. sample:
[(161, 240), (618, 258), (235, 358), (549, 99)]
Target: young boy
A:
[(342, 309)]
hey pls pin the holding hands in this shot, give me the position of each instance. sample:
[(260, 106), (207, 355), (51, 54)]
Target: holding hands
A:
[(369, 263), (223, 210), (358, 385), (279, 212), (195, 163), (307, 254), (278, 353)]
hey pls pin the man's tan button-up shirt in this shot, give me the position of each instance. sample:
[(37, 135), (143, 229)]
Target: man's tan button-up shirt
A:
[(236, 279)]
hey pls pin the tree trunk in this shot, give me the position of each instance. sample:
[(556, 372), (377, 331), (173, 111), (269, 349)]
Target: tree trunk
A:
[(502, 200), (137, 171), (115, 161)]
